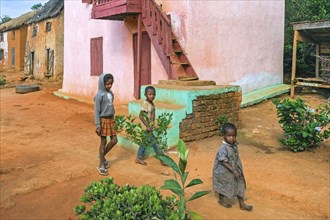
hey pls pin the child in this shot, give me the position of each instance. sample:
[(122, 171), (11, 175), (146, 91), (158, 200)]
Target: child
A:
[(103, 114), (148, 109), (228, 176)]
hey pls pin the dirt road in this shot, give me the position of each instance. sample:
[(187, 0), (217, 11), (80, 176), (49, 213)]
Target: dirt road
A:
[(49, 154)]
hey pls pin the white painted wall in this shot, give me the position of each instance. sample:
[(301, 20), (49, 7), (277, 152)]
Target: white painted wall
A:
[(4, 47)]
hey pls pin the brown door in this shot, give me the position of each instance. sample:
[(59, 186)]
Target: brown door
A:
[(144, 77)]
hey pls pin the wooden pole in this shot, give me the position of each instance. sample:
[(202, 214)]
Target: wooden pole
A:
[(317, 61), (139, 52), (294, 62)]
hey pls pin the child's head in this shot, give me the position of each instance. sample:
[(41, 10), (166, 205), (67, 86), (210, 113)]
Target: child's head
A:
[(108, 81), (150, 93), (229, 132)]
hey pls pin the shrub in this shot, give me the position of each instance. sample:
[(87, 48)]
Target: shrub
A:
[(178, 185), (303, 126), (107, 200), (135, 132), (220, 121), (2, 80)]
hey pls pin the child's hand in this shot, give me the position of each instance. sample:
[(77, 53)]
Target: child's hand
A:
[(149, 128), (98, 131), (236, 174)]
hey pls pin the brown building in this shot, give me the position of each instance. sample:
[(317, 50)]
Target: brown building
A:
[(16, 30), (44, 44)]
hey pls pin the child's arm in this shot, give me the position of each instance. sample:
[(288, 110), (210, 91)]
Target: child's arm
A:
[(97, 117), (144, 121), (231, 169)]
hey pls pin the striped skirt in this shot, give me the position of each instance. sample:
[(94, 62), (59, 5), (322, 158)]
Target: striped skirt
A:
[(108, 127)]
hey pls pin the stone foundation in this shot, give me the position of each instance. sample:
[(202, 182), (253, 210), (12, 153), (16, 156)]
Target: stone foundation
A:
[(207, 109)]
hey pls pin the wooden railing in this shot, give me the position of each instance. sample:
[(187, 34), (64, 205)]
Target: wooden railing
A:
[(100, 2), (160, 23)]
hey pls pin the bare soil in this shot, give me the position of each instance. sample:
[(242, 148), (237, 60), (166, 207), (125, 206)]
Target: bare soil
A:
[(49, 154)]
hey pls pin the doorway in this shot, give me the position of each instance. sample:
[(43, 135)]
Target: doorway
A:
[(144, 77)]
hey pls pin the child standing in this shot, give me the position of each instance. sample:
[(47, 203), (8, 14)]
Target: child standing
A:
[(147, 116), (104, 112), (228, 175)]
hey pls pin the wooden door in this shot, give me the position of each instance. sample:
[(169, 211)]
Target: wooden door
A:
[(144, 76), (13, 56)]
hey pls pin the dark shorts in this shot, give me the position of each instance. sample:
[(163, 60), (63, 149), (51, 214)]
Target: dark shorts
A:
[(108, 127)]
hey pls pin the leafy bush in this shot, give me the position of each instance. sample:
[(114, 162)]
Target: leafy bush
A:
[(178, 185), (107, 200), (220, 121), (135, 132), (303, 126)]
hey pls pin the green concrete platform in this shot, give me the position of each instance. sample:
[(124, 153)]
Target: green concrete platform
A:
[(260, 95)]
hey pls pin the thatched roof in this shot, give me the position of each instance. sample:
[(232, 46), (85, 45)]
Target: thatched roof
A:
[(17, 22), (50, 10)]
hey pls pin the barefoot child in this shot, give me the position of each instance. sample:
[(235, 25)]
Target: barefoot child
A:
[(103, 114), (228, 176), (147, 116)]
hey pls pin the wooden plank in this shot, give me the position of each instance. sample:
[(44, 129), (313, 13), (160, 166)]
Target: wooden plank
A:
[(294, 61), (317, 60), (311, 84), (311, 25)]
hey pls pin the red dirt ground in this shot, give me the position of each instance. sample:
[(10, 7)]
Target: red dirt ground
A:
[(49, 154)]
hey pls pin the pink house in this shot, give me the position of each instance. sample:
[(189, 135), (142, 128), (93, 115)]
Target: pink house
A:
[(143, 41)]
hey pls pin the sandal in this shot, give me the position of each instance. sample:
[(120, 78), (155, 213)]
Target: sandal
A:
[(106, 164), (102, 171)]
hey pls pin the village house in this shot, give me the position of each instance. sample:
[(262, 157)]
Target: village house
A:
[(44, 42), (14, 34), (237, 45), (3, 50)]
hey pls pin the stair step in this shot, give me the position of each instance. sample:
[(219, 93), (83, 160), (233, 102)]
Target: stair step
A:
[(187, 78), (179, 63)]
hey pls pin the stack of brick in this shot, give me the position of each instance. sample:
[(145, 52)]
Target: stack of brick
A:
[(201, 124)]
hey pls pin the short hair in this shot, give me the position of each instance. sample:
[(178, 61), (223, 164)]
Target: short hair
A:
[(149, 88), (228, 126), (107, 77)]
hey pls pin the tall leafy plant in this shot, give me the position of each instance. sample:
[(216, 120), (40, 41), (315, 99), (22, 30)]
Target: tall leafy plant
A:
[(138, 135), (303, 126), (178, 185)]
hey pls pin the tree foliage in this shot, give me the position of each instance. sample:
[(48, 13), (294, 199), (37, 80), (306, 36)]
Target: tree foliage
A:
[(4, 19), (298, 11), (36, 6)]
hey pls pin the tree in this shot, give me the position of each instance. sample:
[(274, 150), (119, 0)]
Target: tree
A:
[(36, 6), (4, 19), (298, 11)]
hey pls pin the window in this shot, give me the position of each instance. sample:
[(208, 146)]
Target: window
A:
[(1, 37), (34, 31), (13, 35), (96, 56), (2, 54), (48, 26)]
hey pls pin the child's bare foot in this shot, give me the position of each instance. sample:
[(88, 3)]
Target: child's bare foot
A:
[(139, 161), (246, 207), (224, 204)]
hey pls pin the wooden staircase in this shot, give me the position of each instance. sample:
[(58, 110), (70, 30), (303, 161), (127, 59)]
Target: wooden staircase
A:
[(169, 50)]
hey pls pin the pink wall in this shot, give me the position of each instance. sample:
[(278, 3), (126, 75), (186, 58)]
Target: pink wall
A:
[(230, 42), (117, 54)]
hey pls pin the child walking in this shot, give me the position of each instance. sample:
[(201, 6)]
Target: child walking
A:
[(147, 116), (104, 112), (228, 175)]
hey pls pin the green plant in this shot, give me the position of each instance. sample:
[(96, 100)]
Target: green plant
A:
[(2, 80), (106, 200), (303, 126), (221, 120), (135, 132), (178, 185)]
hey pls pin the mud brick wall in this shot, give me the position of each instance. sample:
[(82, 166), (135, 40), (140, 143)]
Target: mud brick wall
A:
[(200, 123)]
